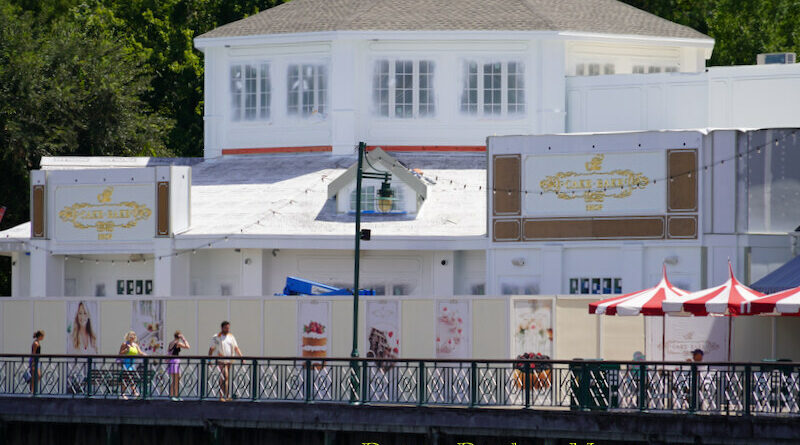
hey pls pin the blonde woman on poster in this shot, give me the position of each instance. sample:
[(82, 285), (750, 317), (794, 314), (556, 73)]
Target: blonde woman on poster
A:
[(81, 336)]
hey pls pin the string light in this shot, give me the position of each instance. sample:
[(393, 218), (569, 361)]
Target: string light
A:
[(457, 186)]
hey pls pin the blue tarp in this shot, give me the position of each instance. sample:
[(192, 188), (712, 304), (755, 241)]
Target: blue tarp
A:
[(784, 277)]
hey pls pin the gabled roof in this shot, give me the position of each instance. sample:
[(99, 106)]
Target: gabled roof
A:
[(592, 16), (378, 157)]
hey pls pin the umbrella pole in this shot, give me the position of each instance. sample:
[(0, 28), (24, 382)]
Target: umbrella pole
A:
[(730, 324), (663, 337)]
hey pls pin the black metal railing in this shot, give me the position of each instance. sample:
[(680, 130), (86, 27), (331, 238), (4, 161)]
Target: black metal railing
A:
[(714, 388)]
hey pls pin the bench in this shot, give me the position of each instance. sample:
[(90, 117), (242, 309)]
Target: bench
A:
[(112, 379)]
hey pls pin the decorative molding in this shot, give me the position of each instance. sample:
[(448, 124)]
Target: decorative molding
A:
[(682, 227), (507, 183), (162, 207), (38, 209), (504, 230), (597, 228), (682, 186)]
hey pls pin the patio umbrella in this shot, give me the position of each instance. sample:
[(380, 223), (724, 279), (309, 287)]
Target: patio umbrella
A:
[(729, 299), (785, 303), (644, 302)]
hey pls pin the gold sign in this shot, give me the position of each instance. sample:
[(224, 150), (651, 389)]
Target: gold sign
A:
[(105, 216), (594, 185)]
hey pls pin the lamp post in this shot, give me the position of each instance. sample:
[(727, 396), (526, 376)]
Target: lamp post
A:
[(365, 235)]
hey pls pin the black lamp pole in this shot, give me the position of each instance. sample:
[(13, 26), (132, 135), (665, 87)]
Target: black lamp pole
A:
[(360, 175)]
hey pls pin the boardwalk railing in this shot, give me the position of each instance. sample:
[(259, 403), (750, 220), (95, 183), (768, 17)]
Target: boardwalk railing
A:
[(713, 388)]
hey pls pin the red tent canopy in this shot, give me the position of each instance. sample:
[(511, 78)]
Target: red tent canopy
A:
[(644, 302), (731, 298), (786, 303)]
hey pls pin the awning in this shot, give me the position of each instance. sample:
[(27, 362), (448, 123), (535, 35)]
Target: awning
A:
[(784, 277)]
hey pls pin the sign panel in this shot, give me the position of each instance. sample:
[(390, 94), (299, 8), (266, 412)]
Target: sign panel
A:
[(595, 184), (453, 329), (533, 327), (383, 329), (313, 324), (684, 334), (83, 327), (147, 321), (101, 213)]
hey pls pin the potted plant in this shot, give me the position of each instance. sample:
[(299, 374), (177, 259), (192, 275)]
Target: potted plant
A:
[(540, 373)]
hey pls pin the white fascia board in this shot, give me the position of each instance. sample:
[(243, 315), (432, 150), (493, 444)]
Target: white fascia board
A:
[(632, 38), (201, 43), (83, 248), (335, 242)]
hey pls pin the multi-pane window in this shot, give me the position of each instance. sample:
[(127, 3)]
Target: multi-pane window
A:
[(369, 199), (496, 88), (307, 90), (250, 92), (594, 69), (403, 88)]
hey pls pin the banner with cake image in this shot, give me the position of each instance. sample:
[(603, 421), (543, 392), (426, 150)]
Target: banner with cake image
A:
[(383, 330), (532, 325), (147, 321), (453, 329), (313, 321)]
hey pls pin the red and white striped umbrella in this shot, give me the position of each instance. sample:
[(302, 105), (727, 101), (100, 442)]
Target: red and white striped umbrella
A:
[(785, 302), (644, 302), (731, 298)]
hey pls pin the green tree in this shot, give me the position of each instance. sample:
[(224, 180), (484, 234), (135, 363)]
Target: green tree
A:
[(67, 88), (741, 28)]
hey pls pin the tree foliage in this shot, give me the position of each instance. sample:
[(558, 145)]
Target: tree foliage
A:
[(741, 28)]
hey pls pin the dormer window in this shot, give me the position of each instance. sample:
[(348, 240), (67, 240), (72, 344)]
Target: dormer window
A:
[(307, 91), (250, 92), (373, 202), (401, 192)]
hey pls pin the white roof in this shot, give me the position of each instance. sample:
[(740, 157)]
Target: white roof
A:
[(287, 194)]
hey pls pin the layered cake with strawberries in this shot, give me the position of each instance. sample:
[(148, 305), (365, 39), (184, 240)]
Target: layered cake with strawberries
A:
[(314, 340)]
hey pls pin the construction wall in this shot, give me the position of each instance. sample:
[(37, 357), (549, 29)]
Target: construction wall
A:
[(269, 327)]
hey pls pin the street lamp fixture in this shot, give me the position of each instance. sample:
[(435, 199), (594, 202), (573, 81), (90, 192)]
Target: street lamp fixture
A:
[(385, 195)]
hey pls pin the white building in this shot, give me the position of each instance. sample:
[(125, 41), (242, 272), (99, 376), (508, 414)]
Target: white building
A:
[(290, 91)]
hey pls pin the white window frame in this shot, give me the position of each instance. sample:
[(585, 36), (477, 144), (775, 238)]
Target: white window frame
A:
[(263, 108), (391, 87), (369, 199), (481, 104), (320, 103)]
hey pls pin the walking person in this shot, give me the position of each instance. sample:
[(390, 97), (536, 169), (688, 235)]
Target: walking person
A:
[(223, 344), (36, 349), (174, 368), (129, 349)]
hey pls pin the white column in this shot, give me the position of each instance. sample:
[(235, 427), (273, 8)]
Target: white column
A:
[(46, 271), (252, 262), (343, 96), (443, 273), (550, 82), (633, 272), (215, 86), (170, 272), (552, 270), (15, 278)]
